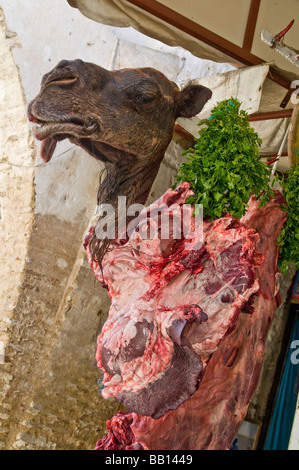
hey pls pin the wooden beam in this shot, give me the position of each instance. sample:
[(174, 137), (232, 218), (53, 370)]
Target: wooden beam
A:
[(251, 24), (280, 114), (199, 32), (285, 113)]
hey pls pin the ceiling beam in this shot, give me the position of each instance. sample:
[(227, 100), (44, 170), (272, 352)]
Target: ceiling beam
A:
[(280, 114), (251, 24), (285, 113), (212, 39)]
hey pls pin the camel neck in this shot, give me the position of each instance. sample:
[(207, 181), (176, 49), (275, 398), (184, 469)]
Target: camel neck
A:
[(125, 174)]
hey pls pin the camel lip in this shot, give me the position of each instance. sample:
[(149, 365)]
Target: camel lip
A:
[(43, 130), (69, 126), (40, 120), (34, 119)]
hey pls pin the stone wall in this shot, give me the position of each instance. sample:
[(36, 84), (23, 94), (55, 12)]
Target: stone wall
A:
[(17, 212)]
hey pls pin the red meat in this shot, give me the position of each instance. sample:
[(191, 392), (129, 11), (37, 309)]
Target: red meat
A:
[(184, 341)]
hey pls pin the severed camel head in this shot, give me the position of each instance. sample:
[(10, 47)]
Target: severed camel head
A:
[(125, 118)]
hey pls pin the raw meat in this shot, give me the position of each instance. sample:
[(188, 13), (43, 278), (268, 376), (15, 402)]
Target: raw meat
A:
[(187, 314)]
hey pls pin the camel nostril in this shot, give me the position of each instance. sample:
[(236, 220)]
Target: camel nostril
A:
[(61, 77), (63, 74)]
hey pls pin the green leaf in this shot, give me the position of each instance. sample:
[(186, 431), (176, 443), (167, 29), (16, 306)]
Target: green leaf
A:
[(288, 241), (224, 166)]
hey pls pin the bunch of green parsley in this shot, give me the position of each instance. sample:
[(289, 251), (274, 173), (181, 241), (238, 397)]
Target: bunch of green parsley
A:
[(288, 239), (224, 168)]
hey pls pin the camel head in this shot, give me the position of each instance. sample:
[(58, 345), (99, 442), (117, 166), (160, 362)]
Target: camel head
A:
[(125, 118)]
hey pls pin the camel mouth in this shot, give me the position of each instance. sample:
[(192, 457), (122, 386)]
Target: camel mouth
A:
[(45, 129), (69, 124), (49, 132), (73, 126)]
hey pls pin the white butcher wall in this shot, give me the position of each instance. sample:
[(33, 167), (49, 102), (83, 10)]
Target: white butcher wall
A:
[(51, 308)]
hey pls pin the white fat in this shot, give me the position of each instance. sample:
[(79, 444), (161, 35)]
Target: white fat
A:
[(130, 331)]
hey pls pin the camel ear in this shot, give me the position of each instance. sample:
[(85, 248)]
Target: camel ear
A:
[(191, 100)]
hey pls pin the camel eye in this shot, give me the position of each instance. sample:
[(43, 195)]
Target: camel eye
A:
[(143, 93), (146, 98)]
